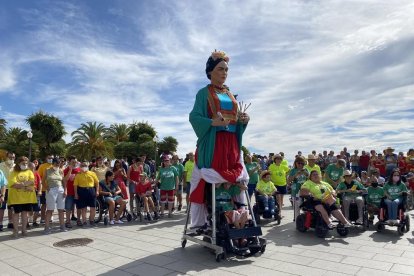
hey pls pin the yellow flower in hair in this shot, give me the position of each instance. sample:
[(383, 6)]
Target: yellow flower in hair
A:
[(220, 54)]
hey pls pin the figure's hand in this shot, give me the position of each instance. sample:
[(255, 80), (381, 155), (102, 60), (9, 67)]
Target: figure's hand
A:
[(220, 122), (244, 118)]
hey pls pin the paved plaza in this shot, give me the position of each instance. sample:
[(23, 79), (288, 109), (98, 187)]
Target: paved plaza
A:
[(139, 248)]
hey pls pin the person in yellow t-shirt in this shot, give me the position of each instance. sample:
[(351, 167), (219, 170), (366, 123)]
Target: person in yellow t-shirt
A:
[(43, 187), (278, 174), (86, 186), (312, 166), (265, 190), (22, 194), (188, 172)]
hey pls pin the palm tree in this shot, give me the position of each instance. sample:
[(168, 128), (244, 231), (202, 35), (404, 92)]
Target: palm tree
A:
[(118, 133), (90, 141), (3, 130), (15, 140)]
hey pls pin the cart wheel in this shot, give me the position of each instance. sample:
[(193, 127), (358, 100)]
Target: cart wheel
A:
[(263, 248), (342, 231), (183, 243), (105, 220), (219, 257)]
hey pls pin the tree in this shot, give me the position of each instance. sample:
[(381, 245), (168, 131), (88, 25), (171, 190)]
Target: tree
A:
[(15, 140), (47, 130), (168, 145), (90, 141), (3, 129), (118, 133), (137, 131)]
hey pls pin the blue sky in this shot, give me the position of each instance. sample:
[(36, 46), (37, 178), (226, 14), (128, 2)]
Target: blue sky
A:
[(319, 74)]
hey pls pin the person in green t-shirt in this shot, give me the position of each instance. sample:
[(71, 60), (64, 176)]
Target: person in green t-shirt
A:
[(324, 198), (180, 169), (374, 197), (297, 176), (351, 191), (168, 179), (393, 190), (188, 172), (334, 172), (253, 171), (265, 190), (225, 194)]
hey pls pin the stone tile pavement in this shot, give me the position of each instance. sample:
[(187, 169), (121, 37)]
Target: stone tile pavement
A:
[(155, 249)]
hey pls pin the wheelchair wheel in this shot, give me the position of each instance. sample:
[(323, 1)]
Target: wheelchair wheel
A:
[(106, 220), (401, 229), (98, 211), (407, 223), (365, 222), (129, 216), (380, 227), (300, 223), (342, 231), (256, 214), (321, 229)]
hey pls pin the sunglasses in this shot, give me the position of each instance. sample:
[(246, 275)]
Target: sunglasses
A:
[(300, 163)]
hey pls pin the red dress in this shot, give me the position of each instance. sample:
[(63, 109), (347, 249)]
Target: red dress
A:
[(119, 179)]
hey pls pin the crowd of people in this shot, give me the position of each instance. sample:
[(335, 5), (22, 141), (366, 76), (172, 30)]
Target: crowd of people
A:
[(31, 190)]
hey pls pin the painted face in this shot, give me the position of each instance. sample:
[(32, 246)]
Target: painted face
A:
[(219, 73)]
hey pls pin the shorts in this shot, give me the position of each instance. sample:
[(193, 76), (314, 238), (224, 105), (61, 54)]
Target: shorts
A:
[(112, 198), (69, 202), (131, 188), (55, 199), (188, 188), (167, 196), (43, 198), (87, 198), (234, 215), (36, 206), (281, 190), (4, 204), (180, 189), (330, 208), (18, 208)]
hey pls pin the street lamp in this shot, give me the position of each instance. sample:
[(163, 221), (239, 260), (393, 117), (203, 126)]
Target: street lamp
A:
[(30, 136), (155, 139)]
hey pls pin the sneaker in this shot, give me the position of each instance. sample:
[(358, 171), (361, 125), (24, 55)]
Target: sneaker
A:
[(63, 228), (47, 231), (347, 225), (84, 223), (92, 224), (27, 226), (330, 226), (74, 218), (79, 223), (119, 222), (10, 225), (42, 221), (149, 218), (68, 225), (24, 233), (156, 215), (359, 221), (170, 215), (35, 224), (15, 235), (112, 222), (179, 207)]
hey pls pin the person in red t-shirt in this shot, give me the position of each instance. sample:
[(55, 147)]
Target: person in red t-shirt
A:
[(410, 180), (144, 191), (69, 176), (410, 166), (380, 164), (402, 163), (364, 161), (133, 175)]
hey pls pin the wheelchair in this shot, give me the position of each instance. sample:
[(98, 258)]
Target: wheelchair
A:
[(102, 211), (404, 219), (138, 212), (353, 212), (309, 217), (259, 210)]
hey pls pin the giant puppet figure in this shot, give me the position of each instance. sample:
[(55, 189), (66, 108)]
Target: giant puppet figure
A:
[(219, 124)]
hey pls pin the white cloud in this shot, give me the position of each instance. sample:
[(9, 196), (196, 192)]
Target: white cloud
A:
[(319, 75)]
